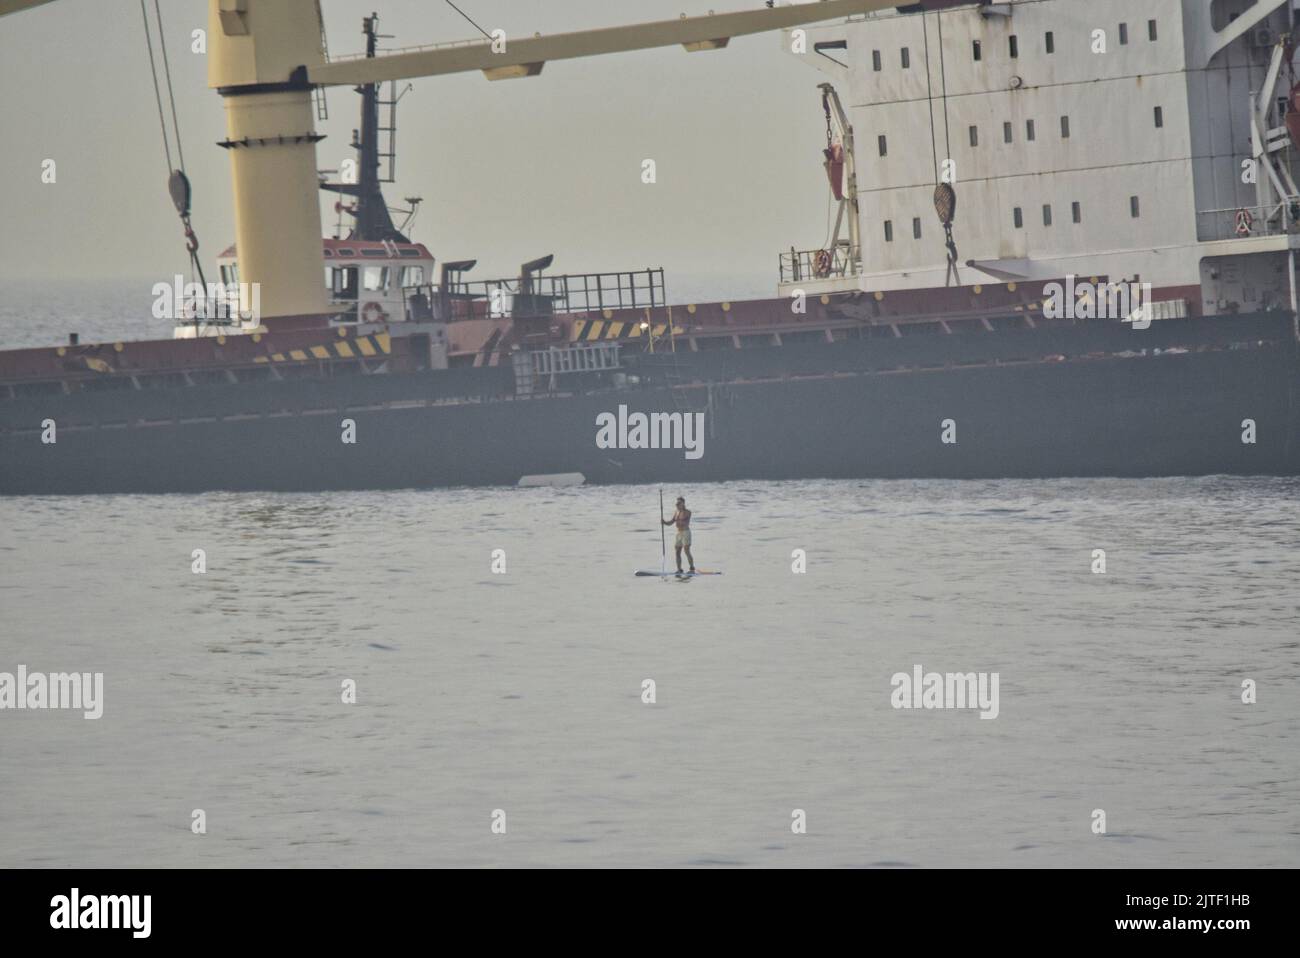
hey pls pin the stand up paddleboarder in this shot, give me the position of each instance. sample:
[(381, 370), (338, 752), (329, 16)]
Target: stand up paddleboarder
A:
[(682, 520)]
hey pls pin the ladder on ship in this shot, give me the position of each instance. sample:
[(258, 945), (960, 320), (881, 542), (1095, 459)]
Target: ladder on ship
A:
[(386, 141)]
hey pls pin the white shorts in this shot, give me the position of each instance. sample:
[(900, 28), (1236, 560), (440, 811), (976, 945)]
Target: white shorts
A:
[(683, 539)]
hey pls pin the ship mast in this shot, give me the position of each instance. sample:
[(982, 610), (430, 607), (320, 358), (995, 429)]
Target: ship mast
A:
[(371, 219)]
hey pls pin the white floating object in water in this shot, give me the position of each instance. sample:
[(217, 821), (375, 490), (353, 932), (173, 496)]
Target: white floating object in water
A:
[(558, 480)]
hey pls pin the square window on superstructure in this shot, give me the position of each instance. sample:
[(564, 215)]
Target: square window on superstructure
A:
[(1050, 42), (875, 60), (1123, 34), (1006, 132), (889, 231), (1018, 217)]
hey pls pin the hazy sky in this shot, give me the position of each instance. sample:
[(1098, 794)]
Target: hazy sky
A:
[(508, 170)]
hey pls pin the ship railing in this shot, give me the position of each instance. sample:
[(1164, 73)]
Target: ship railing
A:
[(209, 311), (540, 296), (800, 266), (1249, 222)]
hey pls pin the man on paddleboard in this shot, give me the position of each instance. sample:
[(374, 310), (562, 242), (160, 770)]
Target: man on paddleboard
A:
[(682, 520)]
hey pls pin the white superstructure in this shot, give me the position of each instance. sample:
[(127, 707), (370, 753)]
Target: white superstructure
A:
[(1143, 142)]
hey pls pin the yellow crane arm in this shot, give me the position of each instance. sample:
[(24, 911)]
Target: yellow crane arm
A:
[(525, 56)]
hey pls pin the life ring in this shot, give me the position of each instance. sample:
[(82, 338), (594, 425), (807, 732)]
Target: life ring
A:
[(822, 263), (373, 313), (1245, 223)]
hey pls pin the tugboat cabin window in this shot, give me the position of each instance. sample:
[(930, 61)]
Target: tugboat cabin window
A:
[(376, 277), (412, 276), (343, 281), (229, 275)]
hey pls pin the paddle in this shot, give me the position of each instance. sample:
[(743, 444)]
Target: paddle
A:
[(663, 537)]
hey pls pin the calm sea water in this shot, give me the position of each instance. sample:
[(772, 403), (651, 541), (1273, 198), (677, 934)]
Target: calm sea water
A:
[(523, 691)]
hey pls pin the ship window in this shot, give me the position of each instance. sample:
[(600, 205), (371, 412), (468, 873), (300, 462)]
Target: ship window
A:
[(1006, 132), (875, 60), (1050, 41), (412, 276), (347, 252), (976, 52), (1013, 45), (227, 275), (974, 136), (374, 253), (1123, 34), (916, 227), (883, 145), (1065, 127), (906, 58), (1133, 208), (1160, 117), (1151, 31), (376, 278), (889, 231), (1018, 217), (344, 282), (1047, 214), (1029, 129), (1076, 211)]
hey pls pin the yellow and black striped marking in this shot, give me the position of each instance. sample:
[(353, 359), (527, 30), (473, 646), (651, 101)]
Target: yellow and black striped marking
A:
[(365, 347), (601, 330)]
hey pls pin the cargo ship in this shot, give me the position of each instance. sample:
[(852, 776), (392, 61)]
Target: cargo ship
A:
[(1114, 294)]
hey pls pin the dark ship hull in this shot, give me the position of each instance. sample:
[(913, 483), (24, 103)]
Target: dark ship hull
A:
[(1084, 399)]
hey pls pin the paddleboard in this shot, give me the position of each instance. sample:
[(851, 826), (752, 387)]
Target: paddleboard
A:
[(676, 575)]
